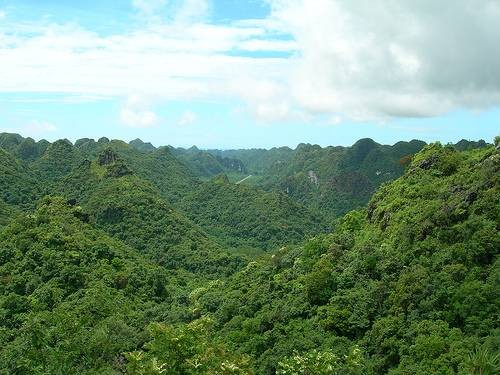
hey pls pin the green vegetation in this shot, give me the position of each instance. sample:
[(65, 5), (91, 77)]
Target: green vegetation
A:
[(412, 280), (7, 212), (134, 211), (257, 161), (116, 258), (336, 180), (332, 180), (241, 215), (71, 298), (206, 164), (185, 350), (141, 146), (159, 167)]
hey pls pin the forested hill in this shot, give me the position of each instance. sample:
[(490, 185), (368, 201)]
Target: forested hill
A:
[(245, 216), (117, 258), (74, 300), (338, 179), (49, 162), (109, 276), (408, 285), (122, 185), (330, 179)]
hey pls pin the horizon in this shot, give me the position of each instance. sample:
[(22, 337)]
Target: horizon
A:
[(225, 74), (73, 141)]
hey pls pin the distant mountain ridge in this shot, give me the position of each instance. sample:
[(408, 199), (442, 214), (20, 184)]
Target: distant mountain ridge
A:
[(141, 146), (333, 179), (206, 164), (111, 180)]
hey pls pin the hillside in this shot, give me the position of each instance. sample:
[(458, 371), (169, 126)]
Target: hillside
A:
[(411, 282), (333, 180), (133, 210), (7, 212), (56, 160), (257, 160), (159, 167), (116, 260), (121, 186), (243, 216), (205, 164), (17, 185), (72, 298), (336, 180), (23, 148)]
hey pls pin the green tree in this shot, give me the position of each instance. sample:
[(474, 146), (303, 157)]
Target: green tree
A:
[(325, 362), (185, 350)]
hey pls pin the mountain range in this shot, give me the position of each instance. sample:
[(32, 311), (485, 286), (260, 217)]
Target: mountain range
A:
[(123, 257)]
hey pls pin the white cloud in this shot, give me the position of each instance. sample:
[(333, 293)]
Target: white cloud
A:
[(266, 99), (192, 10), (136, 114), (348, 58), (37, 127), (137, 118), (187, 118), (3, 14), (334, 120), (169, 61), (389, 58), (148, 7)]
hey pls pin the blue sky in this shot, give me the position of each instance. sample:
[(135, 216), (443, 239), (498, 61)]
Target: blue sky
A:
[(250, 73)]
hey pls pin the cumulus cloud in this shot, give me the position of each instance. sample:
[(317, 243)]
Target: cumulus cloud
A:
[(136, 114), (393, 58), (137, 118), (187, 118), (348, 59), (36, 127)]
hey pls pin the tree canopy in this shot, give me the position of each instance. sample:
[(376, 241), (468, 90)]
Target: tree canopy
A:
[(119, 258)]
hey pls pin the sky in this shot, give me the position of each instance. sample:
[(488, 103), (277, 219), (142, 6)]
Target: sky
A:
[(250, 73)]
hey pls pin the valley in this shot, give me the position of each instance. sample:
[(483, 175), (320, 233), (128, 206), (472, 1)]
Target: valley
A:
[(123, 257)]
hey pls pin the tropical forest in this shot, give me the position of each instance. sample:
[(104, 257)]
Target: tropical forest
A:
[(124, 258)]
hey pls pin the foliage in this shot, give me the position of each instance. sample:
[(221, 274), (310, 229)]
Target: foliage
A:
[(7, 212), (322, 363), (133, 210), (206, 164), (71, 298), (336, 180), (141, 146), (129, 265), (185, 350), (483, 361), (241, 215), (412, 280), (257, 161), (17, 185)]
